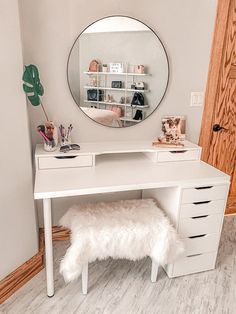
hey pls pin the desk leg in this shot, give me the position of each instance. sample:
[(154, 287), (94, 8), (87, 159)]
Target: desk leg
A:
[(47, 213)]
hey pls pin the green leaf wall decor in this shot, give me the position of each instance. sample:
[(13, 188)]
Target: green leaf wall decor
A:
[(32, 85)]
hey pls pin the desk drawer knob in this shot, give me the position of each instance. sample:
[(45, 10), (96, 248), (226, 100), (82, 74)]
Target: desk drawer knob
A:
[(65, 157), (204, 187), (203, 202), (198, 236), (194, 255), (199, 217), (178, 151)]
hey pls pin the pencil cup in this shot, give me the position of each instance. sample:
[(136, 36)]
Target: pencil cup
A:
[(65, 134), (65, 140)]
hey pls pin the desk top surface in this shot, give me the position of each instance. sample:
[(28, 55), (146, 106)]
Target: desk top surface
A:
[(124, 173)]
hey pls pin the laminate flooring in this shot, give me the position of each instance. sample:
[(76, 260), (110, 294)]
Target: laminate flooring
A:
[(124, 287)]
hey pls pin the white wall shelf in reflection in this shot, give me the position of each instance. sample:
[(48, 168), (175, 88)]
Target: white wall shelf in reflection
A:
[(118, 89), (117, 73)]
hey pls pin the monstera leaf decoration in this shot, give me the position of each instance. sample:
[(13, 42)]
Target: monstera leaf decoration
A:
[(32, 86)]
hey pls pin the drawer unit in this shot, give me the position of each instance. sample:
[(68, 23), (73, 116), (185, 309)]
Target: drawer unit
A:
[(53, 162), (194, 264), (204, 193), (202, 208), (201, 243), (178, 155), (206, 224)]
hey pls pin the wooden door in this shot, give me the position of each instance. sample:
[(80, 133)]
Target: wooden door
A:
[(219, 144)]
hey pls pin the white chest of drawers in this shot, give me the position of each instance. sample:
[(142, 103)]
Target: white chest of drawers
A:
[(198, 217)]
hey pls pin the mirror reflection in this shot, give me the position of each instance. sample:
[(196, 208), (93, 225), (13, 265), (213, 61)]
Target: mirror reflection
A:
[(118, 71)]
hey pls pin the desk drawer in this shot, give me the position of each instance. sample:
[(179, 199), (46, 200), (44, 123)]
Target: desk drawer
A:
[(68, 162), (204, 193), (192, 226), (201, 244), (194, 264), (202, 208), (178, 155)]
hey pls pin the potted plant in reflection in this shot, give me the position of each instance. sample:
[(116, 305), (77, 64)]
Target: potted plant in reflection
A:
[(34, 91)]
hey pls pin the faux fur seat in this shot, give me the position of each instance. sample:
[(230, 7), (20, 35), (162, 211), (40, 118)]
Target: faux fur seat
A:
[(130, 229)]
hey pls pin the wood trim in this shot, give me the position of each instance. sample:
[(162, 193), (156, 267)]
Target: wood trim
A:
[(213, 75), (58, 234)]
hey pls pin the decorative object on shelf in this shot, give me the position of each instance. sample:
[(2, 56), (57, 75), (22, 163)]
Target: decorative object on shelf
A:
[(138, 115), (33, 87), (50, 136), (109, 98), (179, 122), (137, 85), (116, 84), (95, 94), (140, 85), (94, 66), (176, 125), (132, 86), (104, 68), (116, 67), (94, 82), (171, 128), (124, 100), (137, 100), (139, 69), (65, 134)]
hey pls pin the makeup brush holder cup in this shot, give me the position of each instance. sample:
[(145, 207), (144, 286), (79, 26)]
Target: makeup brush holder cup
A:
[(50, 145)]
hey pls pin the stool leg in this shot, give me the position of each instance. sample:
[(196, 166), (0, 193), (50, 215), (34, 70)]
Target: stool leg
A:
[(154, 272), (85, 278)]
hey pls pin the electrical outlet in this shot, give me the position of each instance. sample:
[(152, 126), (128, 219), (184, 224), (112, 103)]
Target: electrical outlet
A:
[(196, 99)]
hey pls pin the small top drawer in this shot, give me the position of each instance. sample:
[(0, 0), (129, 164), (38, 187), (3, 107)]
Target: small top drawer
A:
[(178, 155), (53, 162), (204, 193)]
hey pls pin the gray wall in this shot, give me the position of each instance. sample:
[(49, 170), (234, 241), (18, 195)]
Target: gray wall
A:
[(186, 29), (18, 232)]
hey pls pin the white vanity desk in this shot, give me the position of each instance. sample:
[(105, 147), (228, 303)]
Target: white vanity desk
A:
[(192, 193)]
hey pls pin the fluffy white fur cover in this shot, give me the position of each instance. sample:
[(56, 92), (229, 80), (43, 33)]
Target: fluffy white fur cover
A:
[(129, 229)]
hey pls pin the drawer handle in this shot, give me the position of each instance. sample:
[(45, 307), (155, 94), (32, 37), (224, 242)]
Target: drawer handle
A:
[(197, 236), (198, 217), (178, 151), (199, 203), (204, 187), (65, 157), (194, 255)]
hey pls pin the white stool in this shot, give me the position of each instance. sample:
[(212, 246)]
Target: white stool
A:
[(154, 273), (130, 229)]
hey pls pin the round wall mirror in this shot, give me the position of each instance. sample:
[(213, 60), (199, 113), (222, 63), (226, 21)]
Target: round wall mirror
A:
[(118, 71)]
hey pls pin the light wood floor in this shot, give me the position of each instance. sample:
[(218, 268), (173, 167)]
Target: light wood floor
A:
[(123, 287)]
